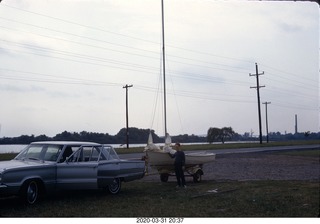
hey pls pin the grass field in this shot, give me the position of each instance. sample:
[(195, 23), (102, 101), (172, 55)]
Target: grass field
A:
[(156, 199)]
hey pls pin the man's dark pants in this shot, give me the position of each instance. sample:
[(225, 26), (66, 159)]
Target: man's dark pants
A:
[(180, 175)]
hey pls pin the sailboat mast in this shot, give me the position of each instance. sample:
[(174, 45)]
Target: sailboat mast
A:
[(164, 72)]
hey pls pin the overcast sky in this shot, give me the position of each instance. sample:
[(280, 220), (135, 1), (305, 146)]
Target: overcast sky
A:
[(63, 65)]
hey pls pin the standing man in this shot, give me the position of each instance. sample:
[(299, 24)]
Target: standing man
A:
[(179, 164)]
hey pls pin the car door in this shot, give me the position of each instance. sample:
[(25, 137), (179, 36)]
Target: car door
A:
[(109, 167), (78, 171)]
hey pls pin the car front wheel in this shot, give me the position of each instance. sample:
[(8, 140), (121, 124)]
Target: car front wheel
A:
[(115, 186), (30, 192)]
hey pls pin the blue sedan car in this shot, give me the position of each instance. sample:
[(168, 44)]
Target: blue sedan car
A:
[(44, 167)]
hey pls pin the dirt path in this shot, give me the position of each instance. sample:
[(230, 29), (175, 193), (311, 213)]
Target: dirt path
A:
[(257, 166)]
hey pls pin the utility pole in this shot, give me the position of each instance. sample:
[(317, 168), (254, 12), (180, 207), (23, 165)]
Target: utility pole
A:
[(127, 117), (164, 72), (266, 103), (296, 125), (258, 96)]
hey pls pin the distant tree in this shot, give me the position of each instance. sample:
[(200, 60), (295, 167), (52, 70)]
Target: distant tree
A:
[(64, 136), (188, 138), (213, 134), (227, 133), (25, 139), (41, 138), (136, 135), (217, 134)]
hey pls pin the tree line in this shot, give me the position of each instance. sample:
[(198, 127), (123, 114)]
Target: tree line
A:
[(228, 134), (136, 136), (140, 136)]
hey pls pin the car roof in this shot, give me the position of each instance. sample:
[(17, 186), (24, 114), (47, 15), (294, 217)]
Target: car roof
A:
[(64, 143)]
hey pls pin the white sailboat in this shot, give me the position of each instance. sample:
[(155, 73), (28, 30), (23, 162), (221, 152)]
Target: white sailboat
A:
[(158, 157)]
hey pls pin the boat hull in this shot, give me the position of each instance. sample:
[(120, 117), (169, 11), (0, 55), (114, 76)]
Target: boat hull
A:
[(164, 159)]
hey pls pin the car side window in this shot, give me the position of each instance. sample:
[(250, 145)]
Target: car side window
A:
[(77, 156), (87, 154), (109, 153), (92, 154), (113, 154), (67, 152)]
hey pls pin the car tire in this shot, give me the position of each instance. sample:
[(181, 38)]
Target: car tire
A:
[(30, 192), (115, 187), (164, 177)]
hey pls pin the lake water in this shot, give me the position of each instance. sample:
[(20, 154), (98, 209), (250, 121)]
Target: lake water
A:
[(11, 148), (18, 148)]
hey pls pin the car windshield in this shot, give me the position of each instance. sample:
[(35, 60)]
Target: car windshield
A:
[(40, 152)]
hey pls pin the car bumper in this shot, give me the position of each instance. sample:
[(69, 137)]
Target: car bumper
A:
[(7, 191)]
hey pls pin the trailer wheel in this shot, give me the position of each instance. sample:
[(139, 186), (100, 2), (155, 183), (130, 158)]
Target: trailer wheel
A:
[(197, 176), (164, 177)]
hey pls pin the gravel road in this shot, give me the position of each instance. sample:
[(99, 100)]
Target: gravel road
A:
[(257, 166)]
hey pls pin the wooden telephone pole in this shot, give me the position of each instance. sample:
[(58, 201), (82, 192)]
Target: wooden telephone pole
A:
[(258, 96), (127, 116), (266, 103)]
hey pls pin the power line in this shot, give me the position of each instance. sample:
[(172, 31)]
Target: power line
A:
[(289, 73), (189, 75), (123, 35), (192, 76), (132, 67), (290, 93), (300, 84), (79, 24), (102, 30), (182, 93), (80, 36), (61, 79), (79, 43), (131, 53)]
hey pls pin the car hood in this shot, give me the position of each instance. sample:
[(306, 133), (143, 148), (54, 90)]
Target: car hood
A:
[(12, 164)]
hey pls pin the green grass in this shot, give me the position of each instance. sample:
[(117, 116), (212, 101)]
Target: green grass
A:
[(7, 156), (156, 199)]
